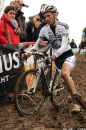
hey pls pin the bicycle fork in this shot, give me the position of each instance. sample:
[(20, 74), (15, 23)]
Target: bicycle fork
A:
[(56, 72)]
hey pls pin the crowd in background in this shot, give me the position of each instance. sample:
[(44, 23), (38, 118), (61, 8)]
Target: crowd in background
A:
[(14, 29)]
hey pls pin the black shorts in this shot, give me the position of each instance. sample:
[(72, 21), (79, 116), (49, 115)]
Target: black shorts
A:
[(60, 60)]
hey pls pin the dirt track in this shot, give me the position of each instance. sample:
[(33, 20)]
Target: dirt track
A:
[(48, 118)]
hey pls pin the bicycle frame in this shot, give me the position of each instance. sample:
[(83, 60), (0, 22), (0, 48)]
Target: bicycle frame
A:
[(47, 90)]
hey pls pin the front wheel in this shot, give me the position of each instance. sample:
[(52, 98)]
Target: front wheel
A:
[(28, 93), (59, 92)]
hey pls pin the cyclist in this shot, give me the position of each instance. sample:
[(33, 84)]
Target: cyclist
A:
[(57, 34)]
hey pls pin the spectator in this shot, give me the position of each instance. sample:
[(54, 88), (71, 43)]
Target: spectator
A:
[(30, 29), (9, 30), (82, 44), (21, 19), (33, 27), (37, 26), (40, 14), (73, 44), (84, 34), (39, 22), (12, 3), (83, 40)]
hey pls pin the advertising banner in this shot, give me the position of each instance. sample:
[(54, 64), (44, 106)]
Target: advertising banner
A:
[(10, 67)]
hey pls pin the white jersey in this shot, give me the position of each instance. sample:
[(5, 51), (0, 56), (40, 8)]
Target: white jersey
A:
[(58, 41)]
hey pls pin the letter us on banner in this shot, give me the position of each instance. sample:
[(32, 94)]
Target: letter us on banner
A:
[(10, 67)]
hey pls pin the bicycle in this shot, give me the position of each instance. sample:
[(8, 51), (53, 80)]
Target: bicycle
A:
[(29, 97)]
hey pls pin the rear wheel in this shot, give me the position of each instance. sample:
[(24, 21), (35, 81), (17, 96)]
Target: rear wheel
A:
[(59, 92), (28, 93)]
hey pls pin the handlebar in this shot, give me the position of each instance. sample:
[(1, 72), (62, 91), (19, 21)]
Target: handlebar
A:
[(41, 53), (36, 53)]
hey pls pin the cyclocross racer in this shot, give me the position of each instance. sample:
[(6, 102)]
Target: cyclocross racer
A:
[(57, 34)]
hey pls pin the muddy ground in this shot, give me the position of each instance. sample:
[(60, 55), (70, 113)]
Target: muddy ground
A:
[(48, 118)]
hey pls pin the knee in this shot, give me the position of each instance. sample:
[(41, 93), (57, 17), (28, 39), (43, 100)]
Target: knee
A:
[(65, 75)]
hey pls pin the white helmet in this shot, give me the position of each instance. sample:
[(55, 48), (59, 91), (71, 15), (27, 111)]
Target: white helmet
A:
[(48, 8)]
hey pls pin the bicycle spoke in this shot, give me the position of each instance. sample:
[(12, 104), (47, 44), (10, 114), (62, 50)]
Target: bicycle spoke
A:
[(28, 97), (59, 92)]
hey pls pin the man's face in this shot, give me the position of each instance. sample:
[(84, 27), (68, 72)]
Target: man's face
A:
[(50, 18), (18, 4)]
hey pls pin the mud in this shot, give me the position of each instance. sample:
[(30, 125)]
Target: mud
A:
[(47, 117)]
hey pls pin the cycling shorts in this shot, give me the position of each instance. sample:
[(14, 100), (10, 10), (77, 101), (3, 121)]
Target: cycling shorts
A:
[(71, 61)]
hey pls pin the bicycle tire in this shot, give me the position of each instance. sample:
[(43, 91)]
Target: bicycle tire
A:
[(59, 92), (28, 100)]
